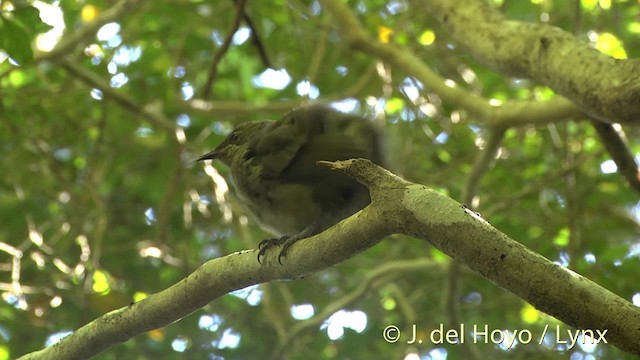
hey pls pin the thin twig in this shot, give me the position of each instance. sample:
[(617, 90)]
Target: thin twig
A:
[(482, 163), (119, 98), (256, 40), (620, 153), (389, 272), (213, 70)]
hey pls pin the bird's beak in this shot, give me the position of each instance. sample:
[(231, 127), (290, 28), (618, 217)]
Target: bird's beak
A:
[(211, 155)]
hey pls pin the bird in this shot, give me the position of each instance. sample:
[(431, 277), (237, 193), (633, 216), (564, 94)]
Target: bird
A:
[(277, 178)]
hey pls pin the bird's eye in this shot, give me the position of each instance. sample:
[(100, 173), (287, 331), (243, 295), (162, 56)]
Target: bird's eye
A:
[(235, 137)]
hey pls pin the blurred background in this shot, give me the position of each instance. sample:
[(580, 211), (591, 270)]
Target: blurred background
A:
[(104, 106)]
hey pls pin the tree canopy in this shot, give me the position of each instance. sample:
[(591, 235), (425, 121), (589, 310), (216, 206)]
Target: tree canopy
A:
[(526, 112)]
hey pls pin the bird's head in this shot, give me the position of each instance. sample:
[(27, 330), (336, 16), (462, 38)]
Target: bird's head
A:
[(236, 144)]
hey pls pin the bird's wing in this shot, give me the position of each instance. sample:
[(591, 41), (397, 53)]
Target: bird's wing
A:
[(291, 147), (332, 136), (276, 146)]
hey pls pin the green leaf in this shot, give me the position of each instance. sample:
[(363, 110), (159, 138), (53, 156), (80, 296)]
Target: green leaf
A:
[(18, 30), (16, 42), (562, 238), (29, 19)]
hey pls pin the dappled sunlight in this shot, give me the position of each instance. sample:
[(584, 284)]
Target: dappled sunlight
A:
[(302, 312), (272, 79), (221, 189), (52, 15), (336, 323), (252, 294)]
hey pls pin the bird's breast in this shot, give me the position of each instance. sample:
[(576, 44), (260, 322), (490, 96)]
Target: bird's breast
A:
[(282, 209)]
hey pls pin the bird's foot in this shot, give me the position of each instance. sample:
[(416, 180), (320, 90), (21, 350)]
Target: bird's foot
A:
[(286, 241), (266, 244)]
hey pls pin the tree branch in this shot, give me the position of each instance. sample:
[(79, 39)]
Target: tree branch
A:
[(397, 206), (510, 113), (213, 69), (482, 163), (391, 270), (256, 40), (119, 98), (620, 153), (607, 89), (228, 107)]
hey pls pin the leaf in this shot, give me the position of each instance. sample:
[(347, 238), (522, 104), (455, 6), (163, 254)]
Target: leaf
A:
[(18, 31), (16, 42), (29, 19)]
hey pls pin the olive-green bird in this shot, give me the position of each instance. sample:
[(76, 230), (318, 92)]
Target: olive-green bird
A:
[(277, 178)]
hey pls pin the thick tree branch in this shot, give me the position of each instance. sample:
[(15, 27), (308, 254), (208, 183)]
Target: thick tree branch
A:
[(397, 206), (418, 211), (607, 89)]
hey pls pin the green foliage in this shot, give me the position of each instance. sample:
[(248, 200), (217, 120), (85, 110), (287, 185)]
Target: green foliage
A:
[(18, 29), (100, 202)]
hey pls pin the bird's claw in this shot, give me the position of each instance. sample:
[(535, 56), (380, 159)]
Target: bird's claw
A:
[(267, 244)]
